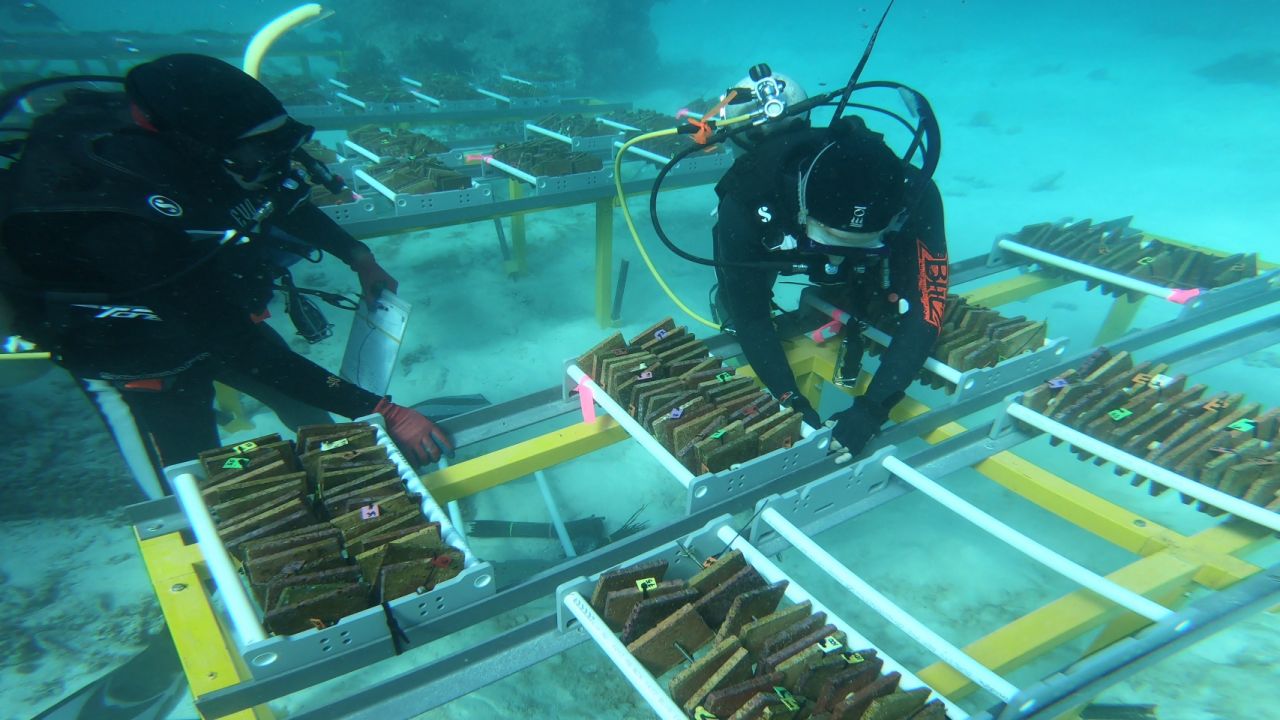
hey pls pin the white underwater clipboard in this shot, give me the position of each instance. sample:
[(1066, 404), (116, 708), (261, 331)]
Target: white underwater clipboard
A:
[(374, 343)]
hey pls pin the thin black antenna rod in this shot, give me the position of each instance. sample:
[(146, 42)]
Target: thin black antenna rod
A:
[(857, 72)]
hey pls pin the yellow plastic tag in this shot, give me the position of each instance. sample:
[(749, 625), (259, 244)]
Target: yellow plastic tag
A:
[(853, 658), (830, 644), (245, 447), (646, 584), (701, 713), (327, 446), (788, 700)]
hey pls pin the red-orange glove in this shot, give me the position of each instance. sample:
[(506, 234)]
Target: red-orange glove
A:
[(418, 438), (372, 277)]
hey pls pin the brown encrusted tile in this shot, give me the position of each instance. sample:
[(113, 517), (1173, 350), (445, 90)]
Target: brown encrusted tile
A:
[(721, 570), (324, 609), (736, 669), (344, 575), (625, 578), (896, 706), (811, 680), (755, 707), (933, 710), (754, 634), (657, 650), (727, 701), (589, 362), (854, 706), (648, 613), (749, 606), (687, 681), (795, 632), (855, 677), (260, 568), (813, 639), (798, 663), (619, 603), (714, 605)]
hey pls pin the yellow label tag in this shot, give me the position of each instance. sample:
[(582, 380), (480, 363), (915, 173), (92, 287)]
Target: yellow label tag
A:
[(701, 713), (245, 447), (788, 700), (327, 446), (853, 658), (646, 584), (830, 644)]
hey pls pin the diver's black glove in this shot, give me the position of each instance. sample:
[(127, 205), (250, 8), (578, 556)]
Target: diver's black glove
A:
[(855, 427), (801, 404)]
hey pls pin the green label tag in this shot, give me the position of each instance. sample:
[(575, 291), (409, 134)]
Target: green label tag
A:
[(327, 446), (701, 713), (717, 434), (853, 658), (1120, 414), (646, 584), (1146, 260), (724, 377), (245, 447), (1243, 425), (236, 463), (830, 644), (788, 700)]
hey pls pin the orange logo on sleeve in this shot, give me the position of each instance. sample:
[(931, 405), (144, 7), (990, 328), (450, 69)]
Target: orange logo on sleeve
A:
[(934, 275)]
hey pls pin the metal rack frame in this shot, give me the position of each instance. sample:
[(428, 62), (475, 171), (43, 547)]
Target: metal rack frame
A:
[(806, 499)]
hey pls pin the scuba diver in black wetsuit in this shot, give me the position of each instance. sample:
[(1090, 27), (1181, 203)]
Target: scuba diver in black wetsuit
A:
[(834, 203), (840, 195), (139, 238)]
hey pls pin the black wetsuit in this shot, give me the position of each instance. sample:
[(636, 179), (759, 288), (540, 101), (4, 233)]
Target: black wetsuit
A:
[(86, 220), (758, 209)]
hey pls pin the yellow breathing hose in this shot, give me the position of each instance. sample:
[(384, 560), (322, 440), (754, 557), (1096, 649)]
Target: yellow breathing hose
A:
[(267, 36), (631, 225)]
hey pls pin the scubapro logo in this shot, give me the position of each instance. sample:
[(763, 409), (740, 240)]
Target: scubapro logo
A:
[(121, 312), (164, 206), (859, 216), (763, 212)]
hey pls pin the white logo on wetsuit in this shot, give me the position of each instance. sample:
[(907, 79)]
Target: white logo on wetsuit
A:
[(164, 206), (859, 216), (121, 312), (763, 212)]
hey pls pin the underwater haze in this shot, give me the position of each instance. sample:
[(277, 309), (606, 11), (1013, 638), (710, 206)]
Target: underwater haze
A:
[(1163, 111)]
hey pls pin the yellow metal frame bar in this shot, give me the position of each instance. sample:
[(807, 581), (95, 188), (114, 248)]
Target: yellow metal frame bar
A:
[(209, 659)]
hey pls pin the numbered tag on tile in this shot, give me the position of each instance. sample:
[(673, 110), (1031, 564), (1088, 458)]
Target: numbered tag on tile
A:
[(853, 658), (724, 377), (1057, 383), (646, 584), (245, 447), (788, 700), (334, 445), (830, 644), (1243, 425), (1120, 414), (369, 512), (701, 713), (236, 463)]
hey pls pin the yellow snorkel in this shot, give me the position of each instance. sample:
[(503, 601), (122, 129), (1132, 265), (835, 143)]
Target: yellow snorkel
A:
[(267, 36)]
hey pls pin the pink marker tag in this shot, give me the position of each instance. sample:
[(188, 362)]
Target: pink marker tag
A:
[(647, 374), (826, 332), (588, 402), (369, 512), (1182, 297), (478, 157)]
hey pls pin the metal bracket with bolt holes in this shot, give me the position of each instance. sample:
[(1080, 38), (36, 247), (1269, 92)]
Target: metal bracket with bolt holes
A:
[(980, 380), (1236, 291), (710, 488)]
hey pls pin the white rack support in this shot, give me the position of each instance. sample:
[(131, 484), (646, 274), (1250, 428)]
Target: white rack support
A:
[(338, 84), (553, 509), (655, 157), (410, 81), (244, 617), (797, 594), (1106, 588), (426, 98), (942, 370), (1174, 295), (1164, 476), (549, 133), (905, 621), (628, 423), (616, 125), (354, 101), (496, 96), (512, 171), (383, 190), (362, 150), (631, 668)]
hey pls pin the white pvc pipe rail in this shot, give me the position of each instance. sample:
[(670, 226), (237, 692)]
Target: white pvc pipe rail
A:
[(796, 594), (371, 155), (905, 621), (549, 133), (338, 84), (660, 159), (630, 667), (385, 191), (354, 101), (492, 94), (946, 372), (616, 125), (514, 172), (410, 81), (628, 423), (1112, 591), (1186, 486), (515, 79), (1179, 296), (553, 510), (244, 618), (425, 98)]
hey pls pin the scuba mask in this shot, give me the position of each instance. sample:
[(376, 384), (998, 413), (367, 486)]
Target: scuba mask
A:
[(260, 159)]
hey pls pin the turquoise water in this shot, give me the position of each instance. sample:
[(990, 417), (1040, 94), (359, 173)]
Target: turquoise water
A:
[(1157, 110)]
